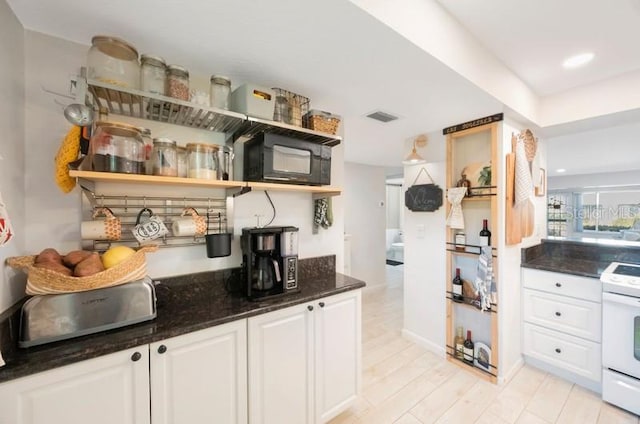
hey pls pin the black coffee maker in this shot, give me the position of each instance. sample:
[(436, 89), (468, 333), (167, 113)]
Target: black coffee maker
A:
[(269, 261)]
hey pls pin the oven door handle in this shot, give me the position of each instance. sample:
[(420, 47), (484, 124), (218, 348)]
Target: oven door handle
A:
[(621, 299)]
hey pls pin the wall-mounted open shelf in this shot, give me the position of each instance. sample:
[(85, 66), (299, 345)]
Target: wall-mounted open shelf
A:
[(321, 191), (144, 105)]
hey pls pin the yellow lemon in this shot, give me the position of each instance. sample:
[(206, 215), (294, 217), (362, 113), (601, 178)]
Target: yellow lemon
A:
[(115, 255)]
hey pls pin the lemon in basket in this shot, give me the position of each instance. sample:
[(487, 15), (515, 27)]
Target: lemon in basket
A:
[(115, 255)]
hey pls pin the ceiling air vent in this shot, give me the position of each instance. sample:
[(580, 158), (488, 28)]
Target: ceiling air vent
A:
[(382, 116)]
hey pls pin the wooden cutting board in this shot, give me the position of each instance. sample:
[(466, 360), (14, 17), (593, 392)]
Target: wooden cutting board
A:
[(513, 216), (528, 218)]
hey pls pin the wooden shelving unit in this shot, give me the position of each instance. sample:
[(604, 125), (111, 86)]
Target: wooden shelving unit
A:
[(113, 177), (465, 149)]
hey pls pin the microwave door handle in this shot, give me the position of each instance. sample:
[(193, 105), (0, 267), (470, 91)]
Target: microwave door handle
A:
[(277, 178), (276, 268)]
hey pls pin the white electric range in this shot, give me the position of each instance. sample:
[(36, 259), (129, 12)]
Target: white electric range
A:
[(621, 335)]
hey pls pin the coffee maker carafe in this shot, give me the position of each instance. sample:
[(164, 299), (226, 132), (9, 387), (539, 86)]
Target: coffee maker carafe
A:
[(269, 261)]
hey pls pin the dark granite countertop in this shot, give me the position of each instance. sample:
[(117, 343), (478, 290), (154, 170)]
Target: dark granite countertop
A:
[(184, 304), (577, 257)]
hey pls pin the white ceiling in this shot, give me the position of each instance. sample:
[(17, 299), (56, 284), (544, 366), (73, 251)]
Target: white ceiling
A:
[(348, 62), (533, 38)]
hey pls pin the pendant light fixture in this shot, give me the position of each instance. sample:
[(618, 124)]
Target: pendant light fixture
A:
[(414, 158)]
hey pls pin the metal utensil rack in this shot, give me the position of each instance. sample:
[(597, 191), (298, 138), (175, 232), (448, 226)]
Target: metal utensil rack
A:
[(126, 208)]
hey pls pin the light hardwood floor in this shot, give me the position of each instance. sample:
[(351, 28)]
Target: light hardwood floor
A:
[(406, 384)]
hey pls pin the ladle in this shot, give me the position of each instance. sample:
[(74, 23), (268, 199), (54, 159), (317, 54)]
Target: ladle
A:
[(79, 114)]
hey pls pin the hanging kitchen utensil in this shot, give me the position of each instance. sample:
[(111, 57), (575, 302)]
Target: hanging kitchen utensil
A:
[(218, 245)]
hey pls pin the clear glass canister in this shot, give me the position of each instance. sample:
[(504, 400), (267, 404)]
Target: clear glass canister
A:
[(148, 147), (153, 74), (113, 61), (203, 161), (220, 92), (165, 157), (177, 82), (183, 164), (117, 147)]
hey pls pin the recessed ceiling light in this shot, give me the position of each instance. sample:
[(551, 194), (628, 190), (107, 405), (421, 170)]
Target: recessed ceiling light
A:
[(561, 170), (578, 60)]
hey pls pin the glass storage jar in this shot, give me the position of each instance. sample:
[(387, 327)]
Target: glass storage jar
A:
[(183, 165), (117, 147), (177, 82), (220, 92), (113, 61), (203, 161), (153, 74), (148, 146), (165, 157)]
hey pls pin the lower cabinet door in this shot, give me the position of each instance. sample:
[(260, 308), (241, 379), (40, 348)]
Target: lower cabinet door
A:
[(281, 366), (338, 352), (573, 354), (110, 389), (201, 377)]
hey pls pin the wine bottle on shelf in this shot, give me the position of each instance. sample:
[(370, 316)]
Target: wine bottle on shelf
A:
[(485, 234), (457, 287), (468, 349), (458, 343)]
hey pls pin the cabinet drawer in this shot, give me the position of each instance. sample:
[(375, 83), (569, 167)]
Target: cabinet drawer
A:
[(565, 284), (578, 356), (573, 316)]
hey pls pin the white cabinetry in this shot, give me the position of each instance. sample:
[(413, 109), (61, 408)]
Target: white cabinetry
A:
[(200, 377), (106, 390), (304, 361), (563, 324)]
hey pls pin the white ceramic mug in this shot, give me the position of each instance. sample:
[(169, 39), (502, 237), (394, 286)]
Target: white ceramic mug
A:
[(192, 225), (109, 228), (149, 230)]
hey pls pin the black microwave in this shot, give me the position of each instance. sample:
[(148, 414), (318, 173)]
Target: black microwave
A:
[(279, 159)]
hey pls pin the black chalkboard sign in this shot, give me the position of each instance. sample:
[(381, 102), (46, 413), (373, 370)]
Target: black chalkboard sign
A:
[(423, 198)]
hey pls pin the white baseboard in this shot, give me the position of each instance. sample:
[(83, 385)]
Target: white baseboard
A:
[(421, 341), (507, 376)]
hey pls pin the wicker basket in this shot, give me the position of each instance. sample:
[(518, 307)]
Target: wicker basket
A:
[(322, 121), (46, 281)]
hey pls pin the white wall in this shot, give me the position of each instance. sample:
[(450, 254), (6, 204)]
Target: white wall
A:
[(602, 179), (12, 149), (364, 219), (53, 218), (424, 254), (509, 285), (424, 266)]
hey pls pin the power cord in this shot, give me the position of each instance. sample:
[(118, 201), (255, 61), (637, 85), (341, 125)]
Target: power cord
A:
[(272, 207)]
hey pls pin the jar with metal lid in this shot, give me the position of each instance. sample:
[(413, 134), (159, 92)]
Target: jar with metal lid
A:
[(203, 161), (116, 147), (153, 74), (177, 82), (148, 146), (113, 61), (183, 164), (220, 92), (165, 157)]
